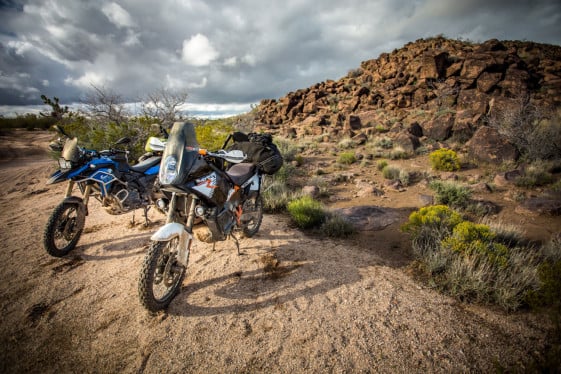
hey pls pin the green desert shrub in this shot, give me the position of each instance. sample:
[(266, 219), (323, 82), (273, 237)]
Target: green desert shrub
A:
[(398, 153), (381, 164), (450, 193), (505, 233), (384, 143), (549, 272), (275, 190), (337, 226), (276, 195), (404, 177), (288, 149), (390, 172), (347, 158), (534, 176), (444, 159), (346, 143), (306, 212)]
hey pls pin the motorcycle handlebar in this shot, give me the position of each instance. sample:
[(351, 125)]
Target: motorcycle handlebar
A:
[(110, 152), (234, 156)]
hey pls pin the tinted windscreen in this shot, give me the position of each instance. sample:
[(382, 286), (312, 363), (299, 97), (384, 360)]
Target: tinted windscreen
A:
[(182, 137)]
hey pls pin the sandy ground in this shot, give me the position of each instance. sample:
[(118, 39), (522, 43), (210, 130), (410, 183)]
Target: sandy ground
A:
[(291, 303)]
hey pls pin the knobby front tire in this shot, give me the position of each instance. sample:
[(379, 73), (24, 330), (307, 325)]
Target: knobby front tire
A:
[(63, 230), (161, 276)]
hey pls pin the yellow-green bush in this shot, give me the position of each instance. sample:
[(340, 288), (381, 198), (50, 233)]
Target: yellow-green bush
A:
[(472, 239), (434, 215), (444, 159), (468, 261)]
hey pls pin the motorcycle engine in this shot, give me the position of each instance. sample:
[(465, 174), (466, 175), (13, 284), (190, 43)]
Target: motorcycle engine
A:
[(220, 224), (123, 201)]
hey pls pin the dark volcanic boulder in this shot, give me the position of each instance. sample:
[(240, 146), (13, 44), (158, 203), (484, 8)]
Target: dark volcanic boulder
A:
[(369, 218), (489, 146)]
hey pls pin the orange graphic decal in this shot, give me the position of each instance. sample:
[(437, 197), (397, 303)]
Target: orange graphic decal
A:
[(208, 184)]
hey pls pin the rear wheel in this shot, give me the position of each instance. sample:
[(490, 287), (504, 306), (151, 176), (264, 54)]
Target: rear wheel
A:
[(161, 275), (252, 216), (64, 229)]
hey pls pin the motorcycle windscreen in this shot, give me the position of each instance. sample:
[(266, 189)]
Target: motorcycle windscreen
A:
[(182, 148), (70, 151)]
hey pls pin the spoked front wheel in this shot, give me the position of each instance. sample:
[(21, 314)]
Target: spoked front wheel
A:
[(64, 229), (161, 275)]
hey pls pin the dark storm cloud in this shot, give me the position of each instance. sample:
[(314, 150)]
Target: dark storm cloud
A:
[(226, 52)]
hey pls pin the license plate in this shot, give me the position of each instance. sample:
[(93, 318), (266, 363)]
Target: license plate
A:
[(64, 164)]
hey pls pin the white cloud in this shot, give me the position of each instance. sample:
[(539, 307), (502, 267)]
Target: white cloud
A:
[(20, 47), (131, 39), (86, 80), (231, 61), (203, 84), (117, 15), (57, 31), (45, 83), (197, 51), (249, 59)]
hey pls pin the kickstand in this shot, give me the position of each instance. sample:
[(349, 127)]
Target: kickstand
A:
[(236, 242), (146, 220), (132, 220)]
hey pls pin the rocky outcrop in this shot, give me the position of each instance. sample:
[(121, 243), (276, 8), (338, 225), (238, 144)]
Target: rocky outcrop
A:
[(438, 88)]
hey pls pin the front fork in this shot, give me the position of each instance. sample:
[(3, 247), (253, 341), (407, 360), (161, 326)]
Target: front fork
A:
[(86, 192), (82, 202), (173, 229)]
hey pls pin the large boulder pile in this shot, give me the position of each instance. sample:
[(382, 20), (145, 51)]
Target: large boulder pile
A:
[(434, 89)]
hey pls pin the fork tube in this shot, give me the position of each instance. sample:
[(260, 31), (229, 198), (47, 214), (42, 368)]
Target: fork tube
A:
[(171, 208), (69, 188), (191, 217), (87, 192)]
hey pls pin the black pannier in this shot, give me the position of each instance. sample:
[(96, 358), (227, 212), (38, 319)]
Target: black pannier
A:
[(260, 150)]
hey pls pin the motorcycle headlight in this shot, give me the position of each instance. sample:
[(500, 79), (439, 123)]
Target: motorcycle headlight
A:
[(168, 171)]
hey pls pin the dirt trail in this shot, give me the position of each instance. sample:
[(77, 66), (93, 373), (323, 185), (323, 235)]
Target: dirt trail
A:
[(290, 303)]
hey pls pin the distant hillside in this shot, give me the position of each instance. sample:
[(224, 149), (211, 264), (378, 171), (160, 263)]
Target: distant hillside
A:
[(436, 89)]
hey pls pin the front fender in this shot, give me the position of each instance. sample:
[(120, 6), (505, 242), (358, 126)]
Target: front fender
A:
[(175, 230), (58, 176), (168, 232), (82, 208)]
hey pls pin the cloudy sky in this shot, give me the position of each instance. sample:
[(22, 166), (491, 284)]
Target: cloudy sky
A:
[(227, 54)]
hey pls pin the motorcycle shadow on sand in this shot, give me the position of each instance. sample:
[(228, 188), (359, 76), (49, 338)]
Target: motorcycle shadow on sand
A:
[(114, 248), (303, 267)]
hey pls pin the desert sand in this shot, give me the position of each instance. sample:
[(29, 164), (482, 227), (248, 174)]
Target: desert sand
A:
[(292, 302)]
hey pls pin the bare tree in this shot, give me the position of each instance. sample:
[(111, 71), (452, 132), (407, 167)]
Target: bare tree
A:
[(164, 105), (534, 130), (106, 106)]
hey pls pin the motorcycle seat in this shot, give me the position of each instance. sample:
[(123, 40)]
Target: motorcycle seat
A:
[(144, 165), (240, 173)]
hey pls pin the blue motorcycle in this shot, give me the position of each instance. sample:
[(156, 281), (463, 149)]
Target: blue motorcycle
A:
[(108, 177)]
